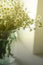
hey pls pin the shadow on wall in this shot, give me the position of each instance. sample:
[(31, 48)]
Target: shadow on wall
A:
[(38, 41)]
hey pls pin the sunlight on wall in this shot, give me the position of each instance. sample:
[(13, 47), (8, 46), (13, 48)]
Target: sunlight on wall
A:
[(25, 36)]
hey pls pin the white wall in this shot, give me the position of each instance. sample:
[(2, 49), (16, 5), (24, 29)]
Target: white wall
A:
[(27, 37)]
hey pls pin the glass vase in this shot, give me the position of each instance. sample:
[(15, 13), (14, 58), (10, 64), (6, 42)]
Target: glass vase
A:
[(4, 57)]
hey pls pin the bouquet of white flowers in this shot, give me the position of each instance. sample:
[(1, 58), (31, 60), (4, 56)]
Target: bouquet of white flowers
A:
[(12, 18)]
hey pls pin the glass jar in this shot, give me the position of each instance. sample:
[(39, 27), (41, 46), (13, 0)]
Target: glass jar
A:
[(5, 57)]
